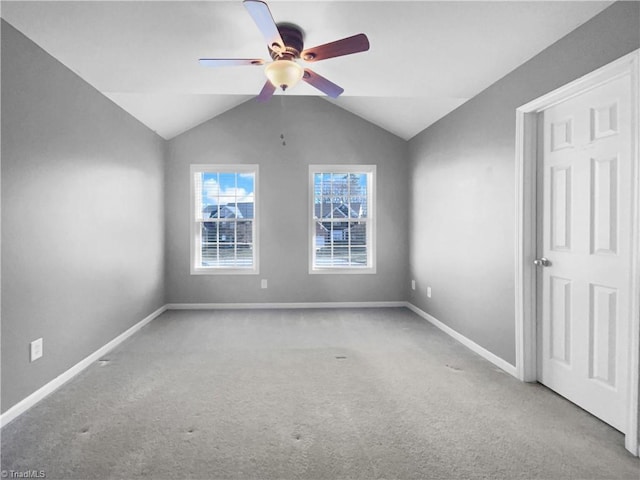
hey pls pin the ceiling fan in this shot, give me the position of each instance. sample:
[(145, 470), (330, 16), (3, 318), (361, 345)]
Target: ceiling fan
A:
[(285, 44)]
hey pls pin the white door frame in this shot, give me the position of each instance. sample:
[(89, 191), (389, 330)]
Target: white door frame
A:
[(525, 248)]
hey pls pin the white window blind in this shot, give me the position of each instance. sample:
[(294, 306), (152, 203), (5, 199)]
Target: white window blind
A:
[(342, 218), (224, 217)]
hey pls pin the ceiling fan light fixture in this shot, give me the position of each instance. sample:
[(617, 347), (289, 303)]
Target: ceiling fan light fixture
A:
[(284, 73)]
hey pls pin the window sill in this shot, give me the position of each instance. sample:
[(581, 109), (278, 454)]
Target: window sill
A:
[(342, 271), (224, 271)]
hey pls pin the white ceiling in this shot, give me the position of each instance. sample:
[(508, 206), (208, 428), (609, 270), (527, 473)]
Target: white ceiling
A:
[(426, 57)]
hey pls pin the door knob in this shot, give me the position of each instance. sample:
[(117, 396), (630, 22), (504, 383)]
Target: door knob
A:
[(542, 262)]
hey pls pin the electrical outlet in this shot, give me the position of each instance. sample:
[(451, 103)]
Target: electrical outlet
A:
[(428, 292), (263, 283), (36, 349), (413, 284)]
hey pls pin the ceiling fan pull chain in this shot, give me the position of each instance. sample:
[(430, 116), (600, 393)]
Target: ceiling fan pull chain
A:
[(282, 119)]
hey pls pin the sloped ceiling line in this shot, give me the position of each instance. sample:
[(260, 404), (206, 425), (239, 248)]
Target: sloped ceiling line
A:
[(426, 57)]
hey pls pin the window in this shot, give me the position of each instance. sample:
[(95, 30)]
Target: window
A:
[(224, 215), (342, 218)]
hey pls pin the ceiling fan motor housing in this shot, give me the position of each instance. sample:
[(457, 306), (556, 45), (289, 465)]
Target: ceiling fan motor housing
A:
[(293, 39)]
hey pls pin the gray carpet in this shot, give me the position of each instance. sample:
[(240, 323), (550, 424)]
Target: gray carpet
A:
[(309, 394)]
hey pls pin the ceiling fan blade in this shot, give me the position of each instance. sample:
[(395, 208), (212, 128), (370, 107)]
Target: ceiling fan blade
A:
[(230, 62), (321, 83), (266, 93), (261, 14), (346, 46)]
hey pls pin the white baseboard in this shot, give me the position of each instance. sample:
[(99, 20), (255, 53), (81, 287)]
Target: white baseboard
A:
[(238, 306), (61, 379), (470, 344)]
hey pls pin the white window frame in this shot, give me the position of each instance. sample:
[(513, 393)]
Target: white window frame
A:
[(196, 230), (370, 170)]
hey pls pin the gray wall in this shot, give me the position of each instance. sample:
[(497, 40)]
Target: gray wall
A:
[(462, 171), (82, 218), (316, 132)]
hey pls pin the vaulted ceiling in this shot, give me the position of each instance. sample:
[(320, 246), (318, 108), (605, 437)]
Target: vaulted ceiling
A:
[(426, 57)]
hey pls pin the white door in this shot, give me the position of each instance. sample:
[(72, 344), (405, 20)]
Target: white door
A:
[(585, 234)]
